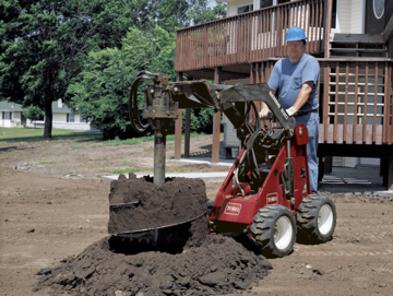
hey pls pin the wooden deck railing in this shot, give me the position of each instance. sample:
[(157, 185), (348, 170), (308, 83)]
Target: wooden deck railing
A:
[(357, 105), (249, 37)]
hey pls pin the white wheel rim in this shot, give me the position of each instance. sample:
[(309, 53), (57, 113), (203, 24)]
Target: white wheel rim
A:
[(325, 219), (283, 233)]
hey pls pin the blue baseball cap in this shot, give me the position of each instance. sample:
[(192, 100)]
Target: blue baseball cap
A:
[(296, 34)]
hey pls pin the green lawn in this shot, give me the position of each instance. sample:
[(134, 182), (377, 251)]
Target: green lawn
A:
[(8, 135), (139, 140)]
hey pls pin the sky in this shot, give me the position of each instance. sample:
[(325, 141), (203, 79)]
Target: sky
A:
[(211, 3)]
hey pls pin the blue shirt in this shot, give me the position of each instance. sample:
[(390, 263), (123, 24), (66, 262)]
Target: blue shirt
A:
[(287, 79)]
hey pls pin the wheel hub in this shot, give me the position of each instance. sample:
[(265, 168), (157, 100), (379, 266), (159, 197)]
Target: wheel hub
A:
[(325, 219), (283, 232)]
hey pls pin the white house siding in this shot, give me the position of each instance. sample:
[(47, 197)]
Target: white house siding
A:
[(59, 117), (230, 137), (15, 121), (358, 16), (350, 16), (60, 121), (351, 162), (369, 161), (80, 126), (355, 161), (230, 134)]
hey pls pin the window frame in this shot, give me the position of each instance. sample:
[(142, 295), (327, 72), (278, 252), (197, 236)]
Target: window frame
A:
[(4, 117), (250, 7), (70, 117), (383, 9)]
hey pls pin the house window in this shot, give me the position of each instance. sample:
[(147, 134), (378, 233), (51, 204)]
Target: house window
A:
[(244, 9), (378, 8), (7, 115), (266, 3), (70, 117)]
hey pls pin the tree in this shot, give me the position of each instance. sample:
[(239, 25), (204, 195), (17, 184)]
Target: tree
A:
[(101, 90), (41, 50), (33, 113), (201, 12), (45, 43)]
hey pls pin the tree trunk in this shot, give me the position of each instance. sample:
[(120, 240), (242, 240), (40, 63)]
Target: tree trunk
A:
[(48, 117)]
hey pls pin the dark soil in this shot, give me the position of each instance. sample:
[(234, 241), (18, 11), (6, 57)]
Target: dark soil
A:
[(179, 260), (137, 204), (220, 265)]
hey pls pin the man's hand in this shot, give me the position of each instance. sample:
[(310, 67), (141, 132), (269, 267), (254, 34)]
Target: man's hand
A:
[(265, 111), (291, 111)]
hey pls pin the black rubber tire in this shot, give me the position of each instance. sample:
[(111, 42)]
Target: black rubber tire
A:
[(307, 220), (262, 230)]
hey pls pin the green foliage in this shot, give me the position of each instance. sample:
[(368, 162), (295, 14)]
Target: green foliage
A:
[(53, 49), (201, 120), (42, 46), (199, 12), (33, 113), (100, 92)]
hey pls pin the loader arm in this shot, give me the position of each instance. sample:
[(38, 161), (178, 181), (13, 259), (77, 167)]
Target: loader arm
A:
[(162, 99)]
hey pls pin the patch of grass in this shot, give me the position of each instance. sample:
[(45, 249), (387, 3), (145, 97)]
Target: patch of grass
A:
[(181, 170), (127, 170), (139, 140), (132, 141), (9, 135), (12, 135)]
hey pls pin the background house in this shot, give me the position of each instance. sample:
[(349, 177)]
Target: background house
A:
[(63, 117), (353, 41), (66, 118), (348, 17), (11, 114)]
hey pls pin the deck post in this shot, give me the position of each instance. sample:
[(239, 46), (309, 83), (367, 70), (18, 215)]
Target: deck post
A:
[(327, 27), (216, 123), (178, 125), (187, 133), (388, 172)]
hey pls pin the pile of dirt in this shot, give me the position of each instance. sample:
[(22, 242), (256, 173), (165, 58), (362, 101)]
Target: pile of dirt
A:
[(179, 260), (220, 265), (136, 203)]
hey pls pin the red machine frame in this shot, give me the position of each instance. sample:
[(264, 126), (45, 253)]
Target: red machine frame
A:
[(232, 207)]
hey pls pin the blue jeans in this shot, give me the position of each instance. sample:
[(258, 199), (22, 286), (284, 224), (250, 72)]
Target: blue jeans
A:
[(311, 120)]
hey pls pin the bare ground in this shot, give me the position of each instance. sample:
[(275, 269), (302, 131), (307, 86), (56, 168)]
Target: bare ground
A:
[(55, 205)]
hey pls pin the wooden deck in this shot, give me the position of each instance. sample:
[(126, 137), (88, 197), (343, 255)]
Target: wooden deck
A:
[(357, 103), (249, 37), (356, 100)]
